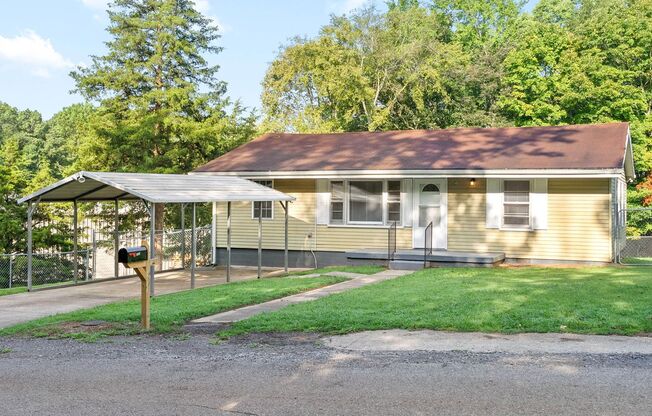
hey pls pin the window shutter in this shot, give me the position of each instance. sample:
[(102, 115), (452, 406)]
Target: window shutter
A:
[(494, 203), (406, 203), (539, 203), (322, 209)]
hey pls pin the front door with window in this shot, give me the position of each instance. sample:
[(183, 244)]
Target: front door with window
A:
[(430, 202)]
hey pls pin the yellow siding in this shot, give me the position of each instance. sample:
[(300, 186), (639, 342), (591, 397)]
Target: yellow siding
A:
[(578, 222), (244, 229), (304, 234), (351, 238)]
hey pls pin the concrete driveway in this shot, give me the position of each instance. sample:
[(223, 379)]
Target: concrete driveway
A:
[(23, 307)]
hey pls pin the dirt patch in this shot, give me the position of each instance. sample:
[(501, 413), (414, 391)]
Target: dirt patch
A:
[(85, 330)]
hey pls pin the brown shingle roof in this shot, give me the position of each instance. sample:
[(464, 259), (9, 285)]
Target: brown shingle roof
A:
[(596, 146)]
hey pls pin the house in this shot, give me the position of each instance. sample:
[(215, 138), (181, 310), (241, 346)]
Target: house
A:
[(530, 194)]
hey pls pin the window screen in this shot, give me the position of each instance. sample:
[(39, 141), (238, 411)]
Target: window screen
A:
[(366, 201), (516, 204)]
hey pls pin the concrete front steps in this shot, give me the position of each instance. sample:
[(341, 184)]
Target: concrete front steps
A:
[(414, 259)]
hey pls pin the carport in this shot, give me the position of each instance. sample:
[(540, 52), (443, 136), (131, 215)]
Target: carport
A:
[(154, 189)]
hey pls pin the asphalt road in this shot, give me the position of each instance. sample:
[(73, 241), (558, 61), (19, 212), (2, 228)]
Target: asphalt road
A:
[(296, 375)]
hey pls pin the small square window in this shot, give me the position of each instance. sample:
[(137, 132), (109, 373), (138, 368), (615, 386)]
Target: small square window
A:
[(264, 209)]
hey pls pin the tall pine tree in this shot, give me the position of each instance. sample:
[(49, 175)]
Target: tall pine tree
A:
[(161, 107)]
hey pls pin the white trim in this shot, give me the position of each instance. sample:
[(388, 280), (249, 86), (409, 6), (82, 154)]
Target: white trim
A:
[(363, 225), (407, 174), (253, 217), (493, 204), (539, 203), (346, 200), (443, 211), (628, 163)]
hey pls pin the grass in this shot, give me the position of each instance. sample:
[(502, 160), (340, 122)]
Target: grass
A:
[(168, 312), (362, 269), (637, 260), (13, 290), (607, 300)]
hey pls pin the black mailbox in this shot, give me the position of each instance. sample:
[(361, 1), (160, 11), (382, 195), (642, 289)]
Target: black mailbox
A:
[(129, 255)]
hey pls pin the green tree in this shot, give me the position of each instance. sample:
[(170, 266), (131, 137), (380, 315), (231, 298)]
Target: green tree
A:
[(64, 135), (160, 106), (372, 71)]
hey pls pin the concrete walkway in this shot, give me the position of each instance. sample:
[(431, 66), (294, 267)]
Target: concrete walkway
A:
[(23, 307), (441, 341), (274, 305)]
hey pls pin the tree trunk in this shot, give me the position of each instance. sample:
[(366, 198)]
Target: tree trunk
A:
[(159, 224)]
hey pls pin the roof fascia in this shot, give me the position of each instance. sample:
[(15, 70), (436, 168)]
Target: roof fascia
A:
[(468, 173)]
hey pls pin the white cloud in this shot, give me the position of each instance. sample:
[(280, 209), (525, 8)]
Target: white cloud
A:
[(204, 7), (34, 52), (96, 4), (348, 6)]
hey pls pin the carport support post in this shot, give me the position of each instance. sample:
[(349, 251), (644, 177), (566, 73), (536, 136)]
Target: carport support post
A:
[(260, 237), (116, 238), (214, 235), (152, 246), (183, 236), (193, 246), (30, 211), (286, 208), (75, 254), (228, 241)]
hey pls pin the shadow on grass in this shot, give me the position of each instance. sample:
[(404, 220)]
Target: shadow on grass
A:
[(607, 300)]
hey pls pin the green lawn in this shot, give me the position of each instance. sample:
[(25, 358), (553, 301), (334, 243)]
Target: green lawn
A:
[(637, 261), (607, 300), (168, 312), (13, 290)]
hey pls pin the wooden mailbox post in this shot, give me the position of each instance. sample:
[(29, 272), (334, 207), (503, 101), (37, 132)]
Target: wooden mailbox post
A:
[(136, 258)]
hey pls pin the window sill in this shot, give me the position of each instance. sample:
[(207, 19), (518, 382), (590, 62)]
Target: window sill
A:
[(381, 226), (517, 229)]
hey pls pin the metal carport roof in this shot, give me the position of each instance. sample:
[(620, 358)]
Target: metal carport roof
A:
[(155, 188)]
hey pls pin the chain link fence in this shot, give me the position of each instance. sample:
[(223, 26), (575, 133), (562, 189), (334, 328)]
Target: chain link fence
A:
[(97, 261), (174, 249), (47, 268), (634, 242)]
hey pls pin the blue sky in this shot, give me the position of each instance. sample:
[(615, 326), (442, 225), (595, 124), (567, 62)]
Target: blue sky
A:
[(42, 40)]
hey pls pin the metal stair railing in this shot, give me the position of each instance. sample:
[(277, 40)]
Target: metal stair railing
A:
[(391, 242), (427, 243)]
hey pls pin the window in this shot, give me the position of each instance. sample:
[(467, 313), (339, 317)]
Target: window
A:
[(366, 201), (337, 203), (394, 201), (264, 209), (516, 204), (375, 202)]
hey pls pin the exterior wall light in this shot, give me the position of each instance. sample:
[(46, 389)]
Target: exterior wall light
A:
[(472, 182)]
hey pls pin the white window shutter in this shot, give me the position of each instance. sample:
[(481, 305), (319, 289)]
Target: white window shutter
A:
[(322, 209), (539, 203), (406, 203), (494, 203)]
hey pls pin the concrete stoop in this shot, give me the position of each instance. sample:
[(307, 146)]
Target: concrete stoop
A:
[(406, 265)]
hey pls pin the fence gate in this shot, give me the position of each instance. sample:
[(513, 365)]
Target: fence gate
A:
[(634, 240)]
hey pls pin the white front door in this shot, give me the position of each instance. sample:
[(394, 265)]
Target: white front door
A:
[(430, 202)]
